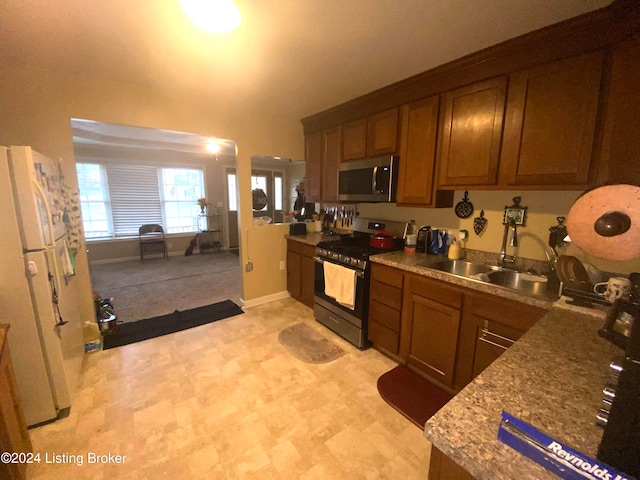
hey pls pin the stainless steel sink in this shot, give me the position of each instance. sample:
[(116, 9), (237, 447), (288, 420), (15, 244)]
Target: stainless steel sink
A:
[(524, 282), (462, 268), (514, 280)]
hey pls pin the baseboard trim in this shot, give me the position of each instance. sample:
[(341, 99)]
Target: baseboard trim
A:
[(254, 302), (137, 257)]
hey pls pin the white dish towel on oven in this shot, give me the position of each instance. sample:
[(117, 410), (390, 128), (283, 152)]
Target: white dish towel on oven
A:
[(340, 283)]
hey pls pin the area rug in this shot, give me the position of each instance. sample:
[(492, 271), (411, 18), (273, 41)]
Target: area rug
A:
[(308, 345), (132, 332), (410, 394)]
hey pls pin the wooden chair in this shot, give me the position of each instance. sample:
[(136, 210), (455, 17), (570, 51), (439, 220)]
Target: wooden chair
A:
[(152, 240)]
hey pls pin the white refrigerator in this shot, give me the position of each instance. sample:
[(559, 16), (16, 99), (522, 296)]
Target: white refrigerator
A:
[(35, 267)]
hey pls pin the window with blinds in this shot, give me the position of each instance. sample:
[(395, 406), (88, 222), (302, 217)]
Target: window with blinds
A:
[(117, 198)]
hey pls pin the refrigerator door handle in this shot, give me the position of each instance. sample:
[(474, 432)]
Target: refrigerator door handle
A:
[(54, 300)]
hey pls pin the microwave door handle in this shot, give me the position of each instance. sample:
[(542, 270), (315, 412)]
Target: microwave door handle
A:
[(374, 182)]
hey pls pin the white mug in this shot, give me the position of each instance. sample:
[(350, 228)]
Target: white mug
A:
[(616, 287)]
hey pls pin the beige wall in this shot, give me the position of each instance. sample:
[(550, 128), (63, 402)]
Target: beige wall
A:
[(36, 107)]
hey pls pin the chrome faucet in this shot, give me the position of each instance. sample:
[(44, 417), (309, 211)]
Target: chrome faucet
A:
[(503, 258)]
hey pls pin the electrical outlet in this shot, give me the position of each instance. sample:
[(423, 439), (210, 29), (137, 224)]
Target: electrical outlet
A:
[(282, 265)]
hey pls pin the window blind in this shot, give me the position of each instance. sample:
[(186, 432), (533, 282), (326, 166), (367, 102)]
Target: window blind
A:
[(135, 197)]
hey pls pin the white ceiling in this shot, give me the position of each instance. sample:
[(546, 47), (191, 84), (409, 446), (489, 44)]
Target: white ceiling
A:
[(297, 57)]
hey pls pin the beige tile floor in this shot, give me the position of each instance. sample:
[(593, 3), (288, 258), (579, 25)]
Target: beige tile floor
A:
[(227, 401)]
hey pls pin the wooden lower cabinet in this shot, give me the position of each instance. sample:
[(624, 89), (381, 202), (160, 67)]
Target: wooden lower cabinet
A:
[(300, 271), (385, 309), (448, 334), (13, 426), (489, 326), (442, 467), (431, 319)]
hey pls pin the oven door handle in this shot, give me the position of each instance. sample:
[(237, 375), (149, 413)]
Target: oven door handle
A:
[(359, 273)]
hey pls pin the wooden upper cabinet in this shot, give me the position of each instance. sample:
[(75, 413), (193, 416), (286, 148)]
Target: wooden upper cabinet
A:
[(550, 123), (332, 153), (313, 146), (382, 133), (619, 159), (471, 130), (323, 150), (354, 140), (374, 135), (417, 165)]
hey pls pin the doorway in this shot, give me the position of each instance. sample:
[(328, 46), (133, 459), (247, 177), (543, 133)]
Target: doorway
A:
[(156, 287)]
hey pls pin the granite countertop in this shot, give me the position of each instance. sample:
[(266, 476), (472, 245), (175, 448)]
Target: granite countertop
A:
[(418, 263), (552, 378), (313, 238)]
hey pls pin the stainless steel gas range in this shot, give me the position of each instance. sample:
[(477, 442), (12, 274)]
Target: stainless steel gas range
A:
[(341, 285)]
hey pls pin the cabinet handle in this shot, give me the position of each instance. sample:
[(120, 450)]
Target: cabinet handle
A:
[(482, 339), (486, 331)]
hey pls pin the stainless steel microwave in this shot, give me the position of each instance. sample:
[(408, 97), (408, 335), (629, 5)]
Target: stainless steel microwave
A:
[(368, 180)]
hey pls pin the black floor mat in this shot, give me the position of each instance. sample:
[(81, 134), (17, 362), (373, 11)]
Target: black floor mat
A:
[(133, 332)]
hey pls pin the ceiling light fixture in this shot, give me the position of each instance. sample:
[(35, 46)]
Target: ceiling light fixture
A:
[(216, 16), (212, 146)]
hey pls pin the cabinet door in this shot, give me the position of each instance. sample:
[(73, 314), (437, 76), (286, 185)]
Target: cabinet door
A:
[(13, 427), (307, 272), (620, 155), (293, 274), (489, 326), (550, 123), (354, 140), (434, 337), (442, 467), (471, 131), (313, 144), (332, 152), (382, 133), (417, 166)]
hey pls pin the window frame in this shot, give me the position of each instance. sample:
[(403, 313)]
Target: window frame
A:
[(188, 227)]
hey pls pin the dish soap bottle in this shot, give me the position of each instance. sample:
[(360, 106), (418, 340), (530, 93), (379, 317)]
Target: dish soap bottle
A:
[(455, 252)]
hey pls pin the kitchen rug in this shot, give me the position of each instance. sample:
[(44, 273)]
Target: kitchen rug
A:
[(410, 394), (308, 345), (132, 332)]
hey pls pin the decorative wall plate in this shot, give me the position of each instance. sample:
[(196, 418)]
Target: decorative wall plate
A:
[(464, 208)]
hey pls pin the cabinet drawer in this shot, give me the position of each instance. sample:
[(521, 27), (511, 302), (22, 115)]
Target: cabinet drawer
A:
[(383, 337), (435, 290), (386, 294), (387, 316), (383, 274), (508, 313), (294, 246), (301, 248)]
